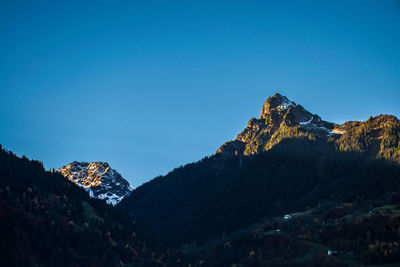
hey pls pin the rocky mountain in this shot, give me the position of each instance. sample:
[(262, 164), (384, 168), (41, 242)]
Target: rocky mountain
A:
[(98, 179), (282, 119), (278, 115), (284, 161)]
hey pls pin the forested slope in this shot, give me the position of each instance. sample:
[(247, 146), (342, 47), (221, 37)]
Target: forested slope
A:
[(46, 220)]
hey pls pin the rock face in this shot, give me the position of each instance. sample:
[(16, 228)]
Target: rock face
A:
[(98, 179), (279, 117)]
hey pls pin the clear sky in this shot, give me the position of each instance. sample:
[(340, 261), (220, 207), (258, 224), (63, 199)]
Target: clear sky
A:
[(151, 85)]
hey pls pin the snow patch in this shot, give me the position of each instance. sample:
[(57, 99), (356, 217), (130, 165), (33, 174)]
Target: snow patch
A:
[(285, 104), (90, 192), (306, 122), (309, 125), (111, 198), (332, 252), (336, 132)]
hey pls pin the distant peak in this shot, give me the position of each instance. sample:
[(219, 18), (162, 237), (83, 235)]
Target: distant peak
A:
[(98, 179)]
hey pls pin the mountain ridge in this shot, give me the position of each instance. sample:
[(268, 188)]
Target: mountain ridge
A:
[(282, 118)]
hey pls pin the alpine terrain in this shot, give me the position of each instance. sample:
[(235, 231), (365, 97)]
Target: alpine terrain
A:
[(98, 179), (290, 190)]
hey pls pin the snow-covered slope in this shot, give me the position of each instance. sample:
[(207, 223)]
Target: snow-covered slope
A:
[(98, 179)]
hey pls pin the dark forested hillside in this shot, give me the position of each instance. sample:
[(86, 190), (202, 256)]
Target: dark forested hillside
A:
[(356, 233), (45, 220), (217, 196)]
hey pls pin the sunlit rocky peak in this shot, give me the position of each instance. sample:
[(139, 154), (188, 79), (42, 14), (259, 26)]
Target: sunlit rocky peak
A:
[(98, 179), (280, 118)]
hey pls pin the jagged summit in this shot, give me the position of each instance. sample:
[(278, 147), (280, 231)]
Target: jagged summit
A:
[(279, 105), (280, 118), (98, 179), (277, 101)]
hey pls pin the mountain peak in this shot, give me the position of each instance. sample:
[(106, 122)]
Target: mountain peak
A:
[(277, 101), (98, 179), (280, 118)]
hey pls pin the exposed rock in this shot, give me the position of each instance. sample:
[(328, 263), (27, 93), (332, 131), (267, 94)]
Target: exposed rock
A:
[(98, 179), (277, 115), (276, 102)]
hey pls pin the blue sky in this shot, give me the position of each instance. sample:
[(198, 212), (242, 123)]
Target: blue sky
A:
[(151, 85)]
